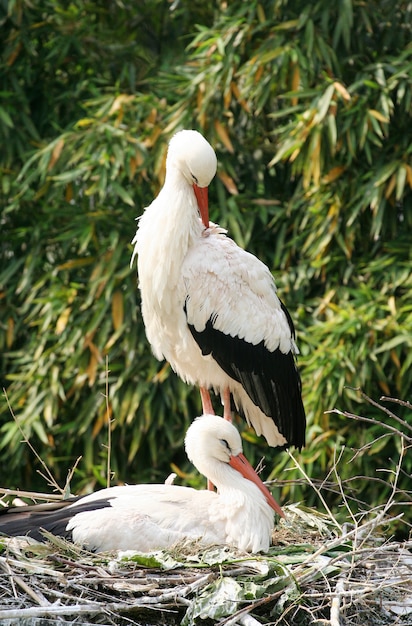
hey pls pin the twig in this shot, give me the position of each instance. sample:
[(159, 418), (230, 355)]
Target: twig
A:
[(31, 567), (48, 477), (109, 430), (34, 495), (396, 473), (70, 473), (370, 420), (53, 610), (37, 596), (335, 604), (315, 489), (395, 417), (342, 492), (340, 585), (334, 543), (6, 566), (251, 607), (367, 446), (109, 473), (404, 403)]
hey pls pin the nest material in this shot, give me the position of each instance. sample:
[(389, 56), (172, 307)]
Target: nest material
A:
[(315, 573), (318, 572)]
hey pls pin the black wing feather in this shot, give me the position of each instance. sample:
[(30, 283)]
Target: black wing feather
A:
[(270, 379), (30, 521)]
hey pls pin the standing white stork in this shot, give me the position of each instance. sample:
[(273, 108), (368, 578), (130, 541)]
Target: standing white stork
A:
[(152, 517), (210, 308)]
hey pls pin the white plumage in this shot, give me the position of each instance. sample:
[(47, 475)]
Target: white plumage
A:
[(210, 308), (151, 517)]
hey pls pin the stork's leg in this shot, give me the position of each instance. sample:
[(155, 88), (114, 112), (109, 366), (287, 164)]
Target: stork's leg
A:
[(207, 410), (227, 413), (206, 402)]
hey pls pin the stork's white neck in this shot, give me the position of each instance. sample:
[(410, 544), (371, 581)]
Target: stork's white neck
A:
[(171, 224), (167, 229), (230, 484), (249, 518)]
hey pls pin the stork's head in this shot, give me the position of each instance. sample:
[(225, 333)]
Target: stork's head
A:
[(212, 444), (195, 159)]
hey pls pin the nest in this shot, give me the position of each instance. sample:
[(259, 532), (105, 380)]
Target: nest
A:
[(337, 576), (318, 571)]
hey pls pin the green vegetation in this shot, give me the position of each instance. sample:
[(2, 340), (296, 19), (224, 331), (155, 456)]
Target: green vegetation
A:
[(309, 108)]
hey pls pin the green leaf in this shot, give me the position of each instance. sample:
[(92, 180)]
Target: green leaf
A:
[(157, 559), (219, 599), (5, 118)]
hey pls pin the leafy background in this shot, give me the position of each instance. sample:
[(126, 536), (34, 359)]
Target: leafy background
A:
[(308, 106)]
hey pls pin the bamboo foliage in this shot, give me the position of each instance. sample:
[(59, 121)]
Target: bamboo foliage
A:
[(308, 108)]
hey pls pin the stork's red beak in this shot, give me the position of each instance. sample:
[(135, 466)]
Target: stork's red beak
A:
[(242, 465), (203, 203)]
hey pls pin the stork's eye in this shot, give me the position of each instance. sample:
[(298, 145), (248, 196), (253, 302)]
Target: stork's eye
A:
[(194, 178), (225, 443)]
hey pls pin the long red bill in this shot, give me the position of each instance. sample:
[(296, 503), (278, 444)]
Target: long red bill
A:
[(203, 203), (242, 465)]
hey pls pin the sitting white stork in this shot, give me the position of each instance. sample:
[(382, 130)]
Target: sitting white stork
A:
[(210, 308), (152, 517)]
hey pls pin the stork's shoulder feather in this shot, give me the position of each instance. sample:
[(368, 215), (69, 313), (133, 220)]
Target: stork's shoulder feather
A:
[(238, 295)]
